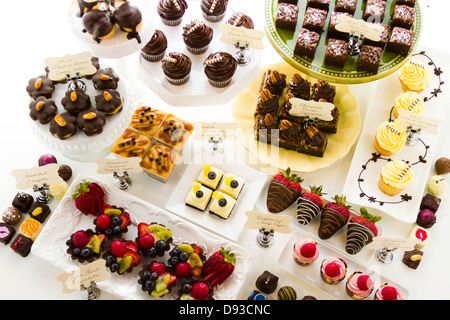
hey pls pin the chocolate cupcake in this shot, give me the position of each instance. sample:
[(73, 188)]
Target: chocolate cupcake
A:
[(156, 48), (171, 11), (40, 86), (63, 125), (42, 110), (177, 68), (238, 19), (197, 36), (76, 100), (109, 102), (220, 68), (214, 10), (91, 121), (105, 79)]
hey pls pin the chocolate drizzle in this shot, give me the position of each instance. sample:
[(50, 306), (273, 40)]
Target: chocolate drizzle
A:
[(358, 236), (307, 210), (280, 197), (330, 222)]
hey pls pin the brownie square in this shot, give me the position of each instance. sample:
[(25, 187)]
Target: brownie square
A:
[(329, 126), (315, 19), (369, 59), (400, 41), (313, 142), (374, 10), (348, 6), (288, 1), (287, 15), (299, 87), (286, 107), (384, 37), (289, 134), (39, 211), (267, 103), (337, 53), (306, 44), (323, 90), (410, 3), (6, 233), (264, 126), (22, 245), (319, 4), (334, 20), (403, 17)]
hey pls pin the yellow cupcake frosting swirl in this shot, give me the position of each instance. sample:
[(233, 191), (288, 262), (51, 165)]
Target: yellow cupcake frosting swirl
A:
[(410, 101), (415, 76), (397, 174), (391, 136)]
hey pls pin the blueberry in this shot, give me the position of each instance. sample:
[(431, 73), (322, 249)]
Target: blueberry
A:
[(234, 184), (108, 232), (184, 256), (160, 245), (186, 288), (151, 251), (115, 220), (154, 276), (176, 251), (76, 251), (117, 230), (114, 267), (110, 259), (222, 202), (86, 252), (211, 175), (174, 260), (199, 194), (149, 285), (146, 275)]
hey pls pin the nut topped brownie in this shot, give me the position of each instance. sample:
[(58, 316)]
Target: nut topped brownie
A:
[(267, 103), (369, 58), (337, 53), (299, 87), (348, 6), (274, 81)]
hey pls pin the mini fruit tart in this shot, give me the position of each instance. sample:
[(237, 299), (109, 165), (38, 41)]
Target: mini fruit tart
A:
[(153, 239), (112, 221), (122, 256), (186, 260), (156, 280), (195, 290), (85, 245)]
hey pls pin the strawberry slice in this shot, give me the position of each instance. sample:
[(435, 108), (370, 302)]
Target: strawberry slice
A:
[(219, 267), (224, 276), (89, 198)]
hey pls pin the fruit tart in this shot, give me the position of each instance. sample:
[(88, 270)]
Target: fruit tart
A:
[(186, 260), (195, 291), (122, 256), (85, 245), (112, 221), (155, 279), (153, 239)]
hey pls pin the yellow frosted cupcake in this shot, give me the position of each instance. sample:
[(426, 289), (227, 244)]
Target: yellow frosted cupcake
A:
[(414, 76), (389, 138), (395, 177), (410, 101)]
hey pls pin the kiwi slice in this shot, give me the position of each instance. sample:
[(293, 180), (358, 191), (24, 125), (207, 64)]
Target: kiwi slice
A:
[(94, 244), (124, 263), (184, 247)]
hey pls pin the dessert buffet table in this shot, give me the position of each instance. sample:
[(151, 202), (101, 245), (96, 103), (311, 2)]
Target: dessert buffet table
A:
[(46, 31)]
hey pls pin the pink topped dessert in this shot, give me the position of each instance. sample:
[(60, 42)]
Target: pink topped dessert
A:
[(333, 270), (305, 252), (359, 285), (388, 291)]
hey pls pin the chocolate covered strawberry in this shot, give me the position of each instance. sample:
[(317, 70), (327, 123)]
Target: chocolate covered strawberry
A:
[(89, 198), (219, 267), (309, 205), (284, 190), (334, 216), (360, 231)]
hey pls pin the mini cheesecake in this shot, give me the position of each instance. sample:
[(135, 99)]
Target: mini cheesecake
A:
[(222, 205), (210, 176), (198, 196), (232, 185)]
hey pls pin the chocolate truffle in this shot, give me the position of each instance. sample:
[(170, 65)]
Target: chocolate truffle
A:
[(40, 86), (63, 125), (76, 100), (65, 172), (46, 159), (129, 18), (109, 102), (42, 110), (239, 19), (105, 79), (309, 298), (430, 202), (213, 10), (11, 216), (155, 48), (267, 282), (6, 233), (39, 211), (177, 68), (412, 258), (442, 166), (171, 12), (22, 245), (23, 201), (219, 68), (91, 121), (197, 36), (426, 218)]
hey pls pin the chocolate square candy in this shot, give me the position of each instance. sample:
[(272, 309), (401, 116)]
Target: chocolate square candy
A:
[(23, 201), (400, 41), (384, 37), (287, 15), (319, 4), (430, 202), (22, 245), (267, 282), (412, 258), (369, 59), (39, 211), (337, 53), (403, 17), (374, 10), (306, 45), (314, 19), (6, 233), (348, 6)]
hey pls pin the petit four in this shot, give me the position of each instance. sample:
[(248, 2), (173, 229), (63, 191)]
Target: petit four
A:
[(309, 205), (156, 47), (388, 291), (232, 185), (442, 166), (171, 12), (274, 81), (30, 228), (369, 59), (334, 216), (412, 258), (39, 211), (155, 280), (91, 121), (147, 119), (22, 201), (159, 161), (374, 10), (129, 18), (305, 252), (267, 282), (222, 205), (286, 16), (63, 125), (176, 67), (112, 221), (287, 293), (284, 189), (239, 19), (186, 260), (410, 101), (437, 185), (360, 231), (196, 291), (421, 235), (11, 216), (313, 141), (99, 24), (42, 110), (314, 19), (307, 43), (426, 218), (219, 267), (105, 79), (336, 54), (219, 68), (174, 131), (333, 270), (389, 138), (21, 245), (197, 36), (7, 232), (400, 41), (76, 100), (109, 102), (359, 285), (41, 86), (213, 10), (256, 295), (131, 144), (210, 176), (395, 176), (85, 245), (414, 76), (198, 196), (153, 239), (122, 256)]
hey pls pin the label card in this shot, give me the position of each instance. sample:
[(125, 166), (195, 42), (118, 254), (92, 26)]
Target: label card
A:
[(418, 121), (119, 165), (70, 65), (204, 130), (234, 35), (84, 276), (313, 109), (278, 223), (392, 243), (37, 176), (359, 27)]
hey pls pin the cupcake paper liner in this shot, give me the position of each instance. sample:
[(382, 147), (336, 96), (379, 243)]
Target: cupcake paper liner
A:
[(171, 23), (197, 50), (213, 18), (153, 57), (178, 81), (387, 189), (220, 84)]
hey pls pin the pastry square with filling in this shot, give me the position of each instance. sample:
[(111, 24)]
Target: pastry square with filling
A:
[(131, 144), (159, 161), (174, 131), (198, 196), (222, 205), (232, 185), (210, 176)]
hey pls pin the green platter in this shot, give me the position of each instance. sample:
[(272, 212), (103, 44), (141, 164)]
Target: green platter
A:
[(284, 42)]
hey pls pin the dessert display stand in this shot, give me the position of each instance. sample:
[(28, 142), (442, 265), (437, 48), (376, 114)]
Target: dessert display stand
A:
[(31, 277)]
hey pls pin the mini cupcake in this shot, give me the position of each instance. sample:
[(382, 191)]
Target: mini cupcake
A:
[(389, 138), (238, 19), (122, 256), (155, 279), (359, 285), (91, 121), (63, 125), (410, 101), (172, 11), (156, 48), (85, 245), (214, 10), (333, 270), (388, 291), (109, 102), (220, 68), (395, 176), (305, 252), (177, 68), (197, 36), (414, 76), (42, 110)]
